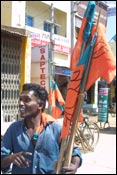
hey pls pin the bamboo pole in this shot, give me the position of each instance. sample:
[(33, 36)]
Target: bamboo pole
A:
[(61, 155), (78, 109)]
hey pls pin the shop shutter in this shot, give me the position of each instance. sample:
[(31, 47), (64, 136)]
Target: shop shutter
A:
[(10, 76)]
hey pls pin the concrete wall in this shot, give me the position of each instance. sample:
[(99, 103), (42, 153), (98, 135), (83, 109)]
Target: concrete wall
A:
[(13, 13), (41, 12), (65, 7), (18, 14), (6, 13)]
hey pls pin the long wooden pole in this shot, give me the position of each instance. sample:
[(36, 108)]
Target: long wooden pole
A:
[(61, 156), (68, 152), (78, 109)]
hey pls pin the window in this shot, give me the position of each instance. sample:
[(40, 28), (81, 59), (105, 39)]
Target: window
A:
[(55, 29), (47, 27), (29, 21)]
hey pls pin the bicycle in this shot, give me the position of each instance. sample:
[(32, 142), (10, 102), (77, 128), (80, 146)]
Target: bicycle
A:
[(87, 134)]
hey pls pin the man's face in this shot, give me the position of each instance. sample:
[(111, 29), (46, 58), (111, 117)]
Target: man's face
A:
[(28, 104)]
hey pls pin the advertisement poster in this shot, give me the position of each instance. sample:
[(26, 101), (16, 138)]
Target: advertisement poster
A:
[(103, 105)]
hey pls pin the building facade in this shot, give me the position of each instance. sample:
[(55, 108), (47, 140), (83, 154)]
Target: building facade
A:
[(54, 24)]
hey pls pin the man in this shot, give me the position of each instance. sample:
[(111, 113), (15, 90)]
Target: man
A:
[(32, 145)]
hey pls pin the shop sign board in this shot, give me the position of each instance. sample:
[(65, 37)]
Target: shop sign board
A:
[(40, 37), (40, 55), (62, 71)]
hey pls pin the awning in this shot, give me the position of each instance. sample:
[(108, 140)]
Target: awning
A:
[(13, 31)]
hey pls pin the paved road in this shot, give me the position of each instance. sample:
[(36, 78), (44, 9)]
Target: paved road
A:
[(103, 159)]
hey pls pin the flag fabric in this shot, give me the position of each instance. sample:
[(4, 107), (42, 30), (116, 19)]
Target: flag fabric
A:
[(103, 65), (84, 33), (56, 100), (78, 46), (103, 60)]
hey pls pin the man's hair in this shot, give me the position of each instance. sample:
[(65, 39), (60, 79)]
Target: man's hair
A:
[(39, 92)]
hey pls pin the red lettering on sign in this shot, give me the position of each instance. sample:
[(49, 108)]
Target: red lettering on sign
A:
[(42, 63), (42, 50), (42, 76), (42, 82), (42, 70), (42, 57)]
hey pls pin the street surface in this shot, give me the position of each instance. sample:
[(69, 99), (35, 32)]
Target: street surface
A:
[(103, 159)]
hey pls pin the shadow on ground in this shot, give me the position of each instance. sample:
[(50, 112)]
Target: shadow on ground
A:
[(108, 130)]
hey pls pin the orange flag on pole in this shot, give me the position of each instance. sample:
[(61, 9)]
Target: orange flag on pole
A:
[(103, 60), (56, 100), (103, 65), (78, 46)]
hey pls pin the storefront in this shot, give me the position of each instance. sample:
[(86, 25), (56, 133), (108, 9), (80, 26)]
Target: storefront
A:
[(15, 71), (62, 78)]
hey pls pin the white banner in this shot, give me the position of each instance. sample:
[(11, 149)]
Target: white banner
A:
[(40, 37), (40, 55)]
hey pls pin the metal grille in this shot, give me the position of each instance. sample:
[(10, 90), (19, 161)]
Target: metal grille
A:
[(10, 76)]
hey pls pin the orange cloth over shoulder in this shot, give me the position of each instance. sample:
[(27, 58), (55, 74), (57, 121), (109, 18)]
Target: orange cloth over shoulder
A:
[(45, 118)]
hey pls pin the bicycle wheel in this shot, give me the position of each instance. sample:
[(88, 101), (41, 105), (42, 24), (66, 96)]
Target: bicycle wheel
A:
[(94, 129), (84, 137)]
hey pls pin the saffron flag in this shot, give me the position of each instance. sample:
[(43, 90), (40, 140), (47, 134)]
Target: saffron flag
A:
[(84, 33), (56, 100), (103, 65)]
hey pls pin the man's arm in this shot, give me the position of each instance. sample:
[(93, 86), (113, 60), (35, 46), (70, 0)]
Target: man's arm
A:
[(17, 158), (6, 161)]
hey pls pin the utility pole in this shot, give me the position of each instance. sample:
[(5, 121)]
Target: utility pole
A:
[(52, 24), (52, 42), (51, 49), (72, 25), (74, 10)]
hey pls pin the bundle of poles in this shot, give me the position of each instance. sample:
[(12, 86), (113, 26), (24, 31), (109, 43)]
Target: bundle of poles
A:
[(67, 143)]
